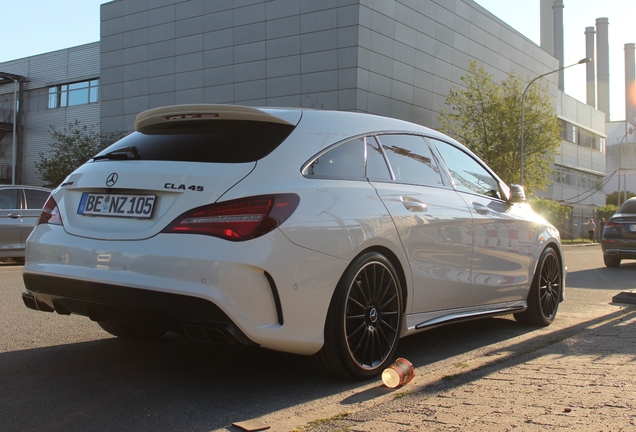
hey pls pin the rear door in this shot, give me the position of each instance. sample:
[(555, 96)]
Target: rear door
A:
[(433, 222), (10, 221)]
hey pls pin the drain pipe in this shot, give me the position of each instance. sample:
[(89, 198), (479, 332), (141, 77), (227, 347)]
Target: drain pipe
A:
[(14, 162)]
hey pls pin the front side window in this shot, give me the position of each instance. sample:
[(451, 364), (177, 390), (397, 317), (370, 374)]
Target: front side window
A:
[(468, 174), (79, 93)]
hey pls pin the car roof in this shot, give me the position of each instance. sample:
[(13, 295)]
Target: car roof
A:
[(7, 186)]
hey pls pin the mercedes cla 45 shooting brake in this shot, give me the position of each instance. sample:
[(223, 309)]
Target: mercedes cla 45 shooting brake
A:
[(328, 234)]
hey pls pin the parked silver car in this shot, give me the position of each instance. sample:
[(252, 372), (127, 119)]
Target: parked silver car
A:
[(20, 208)]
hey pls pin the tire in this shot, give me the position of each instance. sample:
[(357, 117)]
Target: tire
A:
[(545, 292), (131, 332), (364, 320), (611, 261)]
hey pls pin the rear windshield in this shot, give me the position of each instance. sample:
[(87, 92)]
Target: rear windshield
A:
[(628, 208), (230, 141)]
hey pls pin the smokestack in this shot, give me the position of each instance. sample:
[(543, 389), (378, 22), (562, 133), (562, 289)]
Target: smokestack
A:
[(630, 83), (557, 10), (547, 26), (602, 66), (591, 79)]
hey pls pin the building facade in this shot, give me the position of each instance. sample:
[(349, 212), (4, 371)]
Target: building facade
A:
[(59, 88), (396, 58)]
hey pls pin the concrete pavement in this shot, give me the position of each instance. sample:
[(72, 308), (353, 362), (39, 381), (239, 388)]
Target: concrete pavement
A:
[(582, 382)]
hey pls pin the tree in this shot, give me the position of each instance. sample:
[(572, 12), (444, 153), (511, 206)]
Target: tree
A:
[(70, 149), (613, 197), (551, 210), (606, 211), (486, 117)]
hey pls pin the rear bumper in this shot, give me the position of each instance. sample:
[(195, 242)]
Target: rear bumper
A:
[(620, 253), (266, 291), (191, 317)]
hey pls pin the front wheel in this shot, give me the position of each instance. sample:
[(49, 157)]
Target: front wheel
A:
[(363, 321), (545, 292)]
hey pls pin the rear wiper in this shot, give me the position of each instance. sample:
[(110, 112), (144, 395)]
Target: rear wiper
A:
[(124, 153)]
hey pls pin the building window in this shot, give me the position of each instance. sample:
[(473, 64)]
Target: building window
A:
[(582, 137), (579, 179), (79, 93)]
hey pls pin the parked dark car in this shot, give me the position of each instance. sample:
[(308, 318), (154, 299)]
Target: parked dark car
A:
[(618, 238), (20, 208)]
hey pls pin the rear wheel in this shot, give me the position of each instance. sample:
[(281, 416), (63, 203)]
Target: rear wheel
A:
[(364, 319), (611, 261), (545, 292), (129, 331)]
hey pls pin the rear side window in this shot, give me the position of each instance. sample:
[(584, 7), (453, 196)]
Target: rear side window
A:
[(411, 160), (376, 164), (345, 161), (9, 199), (35, 198), (229, 141)]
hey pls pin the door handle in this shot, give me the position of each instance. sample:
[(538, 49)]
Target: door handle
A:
[(14, 215), (414, 206), (480, 208)]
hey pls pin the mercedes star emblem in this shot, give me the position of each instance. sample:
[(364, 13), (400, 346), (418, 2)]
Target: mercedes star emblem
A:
[(111, 179)]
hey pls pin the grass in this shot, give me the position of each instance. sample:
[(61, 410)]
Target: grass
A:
[(576, 241), (324, 421)]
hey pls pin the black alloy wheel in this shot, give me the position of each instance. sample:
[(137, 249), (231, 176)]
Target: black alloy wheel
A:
[(545, 293), (364, 320)]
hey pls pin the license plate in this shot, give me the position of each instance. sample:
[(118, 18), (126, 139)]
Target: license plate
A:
[(632, 227), (118, 205)]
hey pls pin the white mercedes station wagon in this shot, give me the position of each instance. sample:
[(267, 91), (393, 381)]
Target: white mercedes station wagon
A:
[(328, 234)]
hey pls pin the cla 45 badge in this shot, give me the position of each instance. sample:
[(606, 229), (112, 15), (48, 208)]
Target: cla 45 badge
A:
[(173, 186)]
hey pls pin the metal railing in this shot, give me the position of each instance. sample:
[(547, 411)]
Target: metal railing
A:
[(5, 172), (6, 116)]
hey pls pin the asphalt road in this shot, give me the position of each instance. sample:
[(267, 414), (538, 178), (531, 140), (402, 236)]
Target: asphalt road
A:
[(65, 373)]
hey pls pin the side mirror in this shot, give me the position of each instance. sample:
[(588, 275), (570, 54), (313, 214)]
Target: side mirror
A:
[(517, 193)]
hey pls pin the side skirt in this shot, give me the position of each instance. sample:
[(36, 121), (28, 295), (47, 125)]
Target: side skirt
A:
[(429, 320)]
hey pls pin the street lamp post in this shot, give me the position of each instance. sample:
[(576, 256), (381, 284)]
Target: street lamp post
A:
[(523, 99), (620, 153)]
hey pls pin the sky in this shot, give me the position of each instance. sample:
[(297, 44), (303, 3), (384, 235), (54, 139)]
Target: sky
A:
[(68, 23), (578, 14)]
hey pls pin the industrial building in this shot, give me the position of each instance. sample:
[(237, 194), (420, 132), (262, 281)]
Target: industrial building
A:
[(396, 58)]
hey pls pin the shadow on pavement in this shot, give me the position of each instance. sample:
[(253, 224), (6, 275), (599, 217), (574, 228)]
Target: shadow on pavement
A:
[(174, 384)]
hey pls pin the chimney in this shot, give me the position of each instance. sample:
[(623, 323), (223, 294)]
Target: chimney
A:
[(591, 79), (547, 26), (557, 11), (602, 66), (630, 83)]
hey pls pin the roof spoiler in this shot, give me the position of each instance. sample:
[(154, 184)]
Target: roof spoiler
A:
[(203, 112)]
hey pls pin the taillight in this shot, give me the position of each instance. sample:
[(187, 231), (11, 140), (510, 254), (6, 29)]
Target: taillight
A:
[(50, 213), (237, 220), (611, 224)]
